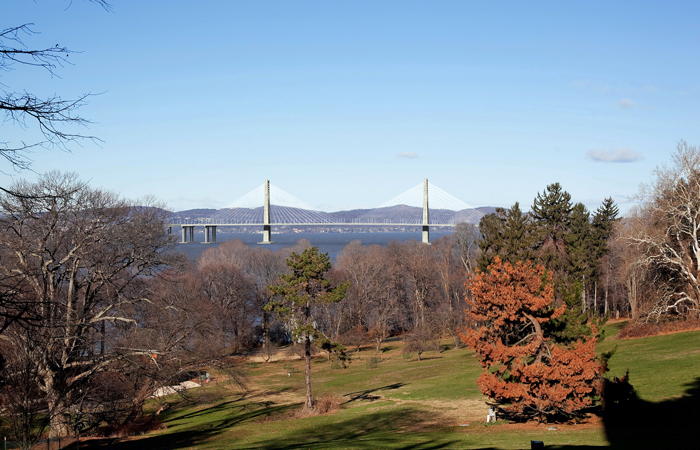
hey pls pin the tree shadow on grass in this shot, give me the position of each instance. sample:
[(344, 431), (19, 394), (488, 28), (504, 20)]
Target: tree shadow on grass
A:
[(646, 425), (367, 394), (193, 436), (393, 429), (641, 425)]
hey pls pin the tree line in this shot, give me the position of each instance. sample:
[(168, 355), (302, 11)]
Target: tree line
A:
[(97, 310)]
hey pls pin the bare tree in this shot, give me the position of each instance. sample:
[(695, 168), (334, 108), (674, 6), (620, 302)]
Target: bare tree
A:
[(467, 236), (265, 266), (423, 279), (449, 312), (371, 299), (80, 257), (669, 239), (26, 411), (232, 290), (237, 277), (53, 116)]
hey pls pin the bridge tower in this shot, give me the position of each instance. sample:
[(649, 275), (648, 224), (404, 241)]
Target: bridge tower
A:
[(267, 226), (426, 218)]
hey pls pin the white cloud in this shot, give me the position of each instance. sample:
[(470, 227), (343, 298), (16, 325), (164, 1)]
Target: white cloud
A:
[(626, 103), (407, 155), (618, 155)]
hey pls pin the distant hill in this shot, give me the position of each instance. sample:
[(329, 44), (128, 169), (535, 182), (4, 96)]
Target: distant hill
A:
[(193, 214), (409, 215), (486, 209)]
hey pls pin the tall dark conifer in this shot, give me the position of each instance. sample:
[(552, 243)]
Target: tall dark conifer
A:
[(603, 224), (507, 234), (518, 237), (491, 242), (603, 228), (580, 242), (551, 212)]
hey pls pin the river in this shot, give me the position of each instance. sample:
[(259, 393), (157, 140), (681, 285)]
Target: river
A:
[(333, 243)]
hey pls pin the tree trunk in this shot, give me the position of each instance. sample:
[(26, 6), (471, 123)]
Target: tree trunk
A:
[(142, 395), (307, 370), (267, 351), (606, 300), (632, 296), (595, 297), (59, 421)]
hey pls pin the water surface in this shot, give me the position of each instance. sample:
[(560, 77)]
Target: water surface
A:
[(333, 243)]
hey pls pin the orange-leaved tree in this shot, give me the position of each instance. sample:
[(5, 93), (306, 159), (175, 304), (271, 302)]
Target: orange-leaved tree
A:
[(525, 371)]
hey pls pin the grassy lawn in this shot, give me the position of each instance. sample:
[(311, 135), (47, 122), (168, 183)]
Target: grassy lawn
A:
[(430, 404), (661, 367)]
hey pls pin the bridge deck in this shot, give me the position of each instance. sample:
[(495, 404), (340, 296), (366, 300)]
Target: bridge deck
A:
[(377, 224)]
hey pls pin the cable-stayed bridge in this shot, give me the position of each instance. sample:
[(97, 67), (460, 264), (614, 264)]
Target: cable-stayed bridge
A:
[(424, 205)]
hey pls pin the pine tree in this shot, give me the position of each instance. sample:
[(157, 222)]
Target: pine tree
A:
[(507, 234), (580, 242), (299, 292), (518, 239), (491, 242), (525, 370), (603, 228), (551, 212), (603, 225)]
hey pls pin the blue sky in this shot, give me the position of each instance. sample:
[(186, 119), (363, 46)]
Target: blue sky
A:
[(348, 104)]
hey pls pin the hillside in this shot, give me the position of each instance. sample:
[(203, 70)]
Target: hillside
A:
[(430, 404)]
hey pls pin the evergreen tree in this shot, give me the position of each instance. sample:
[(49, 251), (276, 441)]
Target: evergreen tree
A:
[(603, 225), (575, 323), (507, 234), (298, 294), (551, 212), (603, 228), (491, 242), (527, 372), (518, 239), (580, 241)]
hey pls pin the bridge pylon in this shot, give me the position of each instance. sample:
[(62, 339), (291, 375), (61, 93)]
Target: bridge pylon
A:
[(426, 216), (267, 226)]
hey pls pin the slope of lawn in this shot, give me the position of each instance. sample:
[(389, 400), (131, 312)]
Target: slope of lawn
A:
[(401, 403), (660, 367)]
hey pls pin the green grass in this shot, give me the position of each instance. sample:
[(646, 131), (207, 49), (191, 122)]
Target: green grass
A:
[(661, 367), (404, 403)]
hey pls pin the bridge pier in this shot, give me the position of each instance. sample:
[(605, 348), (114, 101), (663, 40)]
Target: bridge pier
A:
[(267, 226), (209, 234), (187, 233)]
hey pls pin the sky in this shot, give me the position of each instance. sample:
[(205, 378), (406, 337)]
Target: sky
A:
[(348, 104)]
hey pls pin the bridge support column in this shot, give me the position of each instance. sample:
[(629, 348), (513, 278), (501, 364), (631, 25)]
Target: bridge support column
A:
[(267, 226), (187, 233), (209, 234), (426, 217)]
